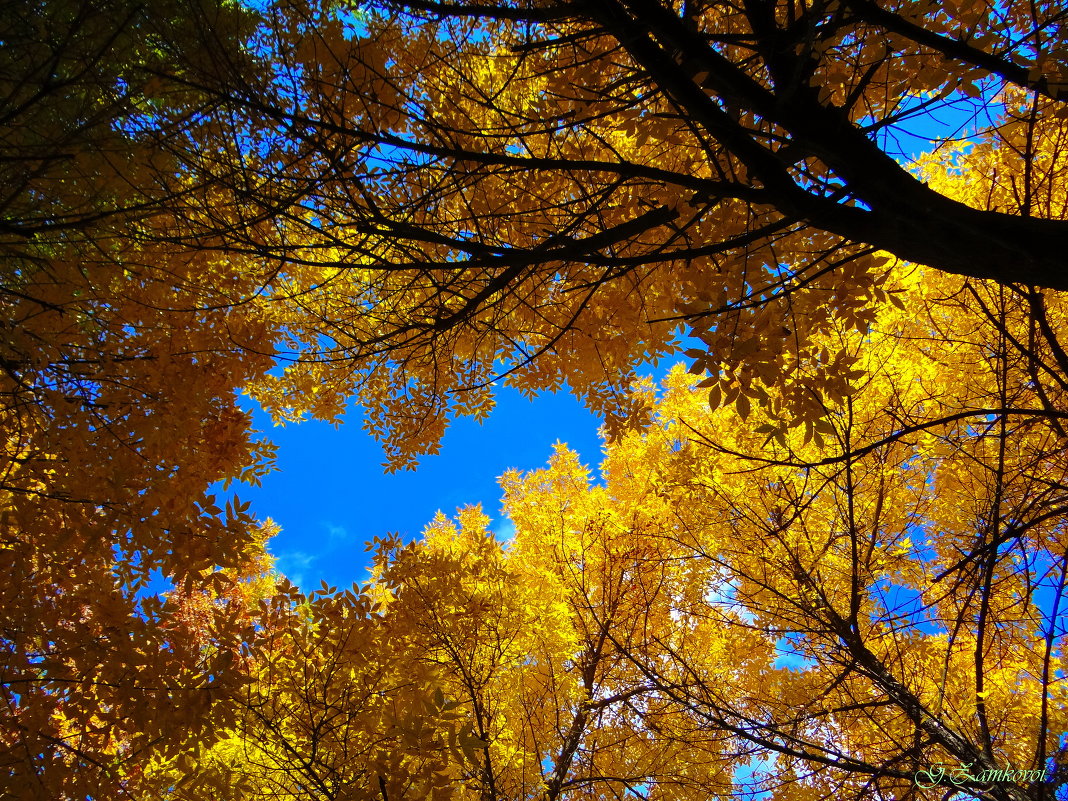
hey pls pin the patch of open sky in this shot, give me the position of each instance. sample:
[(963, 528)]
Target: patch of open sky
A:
[(791, 656), (157, 584), (904, 607), (353, 21), (1046, 592), (331, 494), (747, 778), (640, 791), (919, 123), (386, 157)]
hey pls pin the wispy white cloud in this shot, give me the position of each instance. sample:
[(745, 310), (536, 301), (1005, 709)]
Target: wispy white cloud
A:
[(292, 565), (503, 529), (334, 531), (723, 594)]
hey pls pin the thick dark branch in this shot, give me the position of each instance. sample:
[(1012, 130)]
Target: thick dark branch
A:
[(903, 215), (871, 12)]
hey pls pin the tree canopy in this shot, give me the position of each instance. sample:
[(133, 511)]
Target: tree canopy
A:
[(874, 611), (546, 191), (826, 562), (118, 373)]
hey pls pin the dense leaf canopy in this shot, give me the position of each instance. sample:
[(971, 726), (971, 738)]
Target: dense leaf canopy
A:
[(827, 560), (548, 190)]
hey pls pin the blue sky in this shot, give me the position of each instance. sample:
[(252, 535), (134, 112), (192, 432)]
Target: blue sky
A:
[(331, 495)]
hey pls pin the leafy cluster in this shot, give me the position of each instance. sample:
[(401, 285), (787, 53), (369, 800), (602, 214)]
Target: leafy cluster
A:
[(826, 558)]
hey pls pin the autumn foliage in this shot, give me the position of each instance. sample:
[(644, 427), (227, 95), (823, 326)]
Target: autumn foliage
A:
[(827, 554)]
